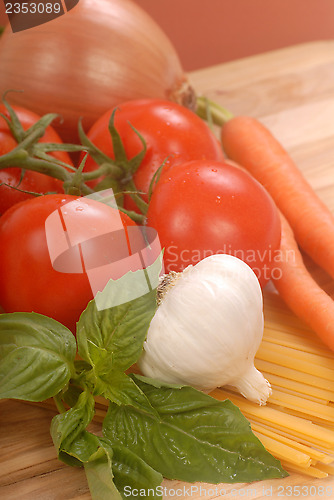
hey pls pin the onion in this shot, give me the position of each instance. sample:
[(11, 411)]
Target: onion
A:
[(98, 54)]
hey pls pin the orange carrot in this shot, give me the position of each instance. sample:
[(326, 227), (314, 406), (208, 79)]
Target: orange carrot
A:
[(300, 292), (247, 142)]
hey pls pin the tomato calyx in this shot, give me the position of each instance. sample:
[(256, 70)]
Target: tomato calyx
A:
[(30, 154), (117, 172), (155, 180)]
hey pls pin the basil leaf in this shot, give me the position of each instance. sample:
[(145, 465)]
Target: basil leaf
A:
[(195, 438), (123, 390), (67, 427), (133, 477), (99, 475), (94, 454), (78, 447), (36, 356), (114, 337), (81, 366), (71, 395), (111, 473)]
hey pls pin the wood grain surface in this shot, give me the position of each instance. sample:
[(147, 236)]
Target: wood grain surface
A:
[(292, 92)]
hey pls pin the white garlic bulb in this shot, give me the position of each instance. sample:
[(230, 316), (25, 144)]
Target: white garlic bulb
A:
[(208, 328)]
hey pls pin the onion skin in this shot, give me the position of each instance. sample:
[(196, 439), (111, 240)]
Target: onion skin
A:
[(100, 53)]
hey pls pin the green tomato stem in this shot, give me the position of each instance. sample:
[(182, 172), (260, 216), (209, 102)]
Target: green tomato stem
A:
[(20, 158), (73, 184), (133, 192), (105, 169), (211, 111), (138, 218)]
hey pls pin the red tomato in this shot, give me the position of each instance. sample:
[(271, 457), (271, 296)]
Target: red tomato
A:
[(172, 133), (49, 249), (203, 207), (31, 181)]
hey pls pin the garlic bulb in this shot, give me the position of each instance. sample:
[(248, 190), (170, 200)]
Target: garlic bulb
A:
[(207, 329)]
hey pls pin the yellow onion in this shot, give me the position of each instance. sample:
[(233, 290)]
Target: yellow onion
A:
[(98, 54)]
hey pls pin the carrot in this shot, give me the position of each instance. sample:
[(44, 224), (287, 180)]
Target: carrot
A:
[(247, 142), (300, 292)]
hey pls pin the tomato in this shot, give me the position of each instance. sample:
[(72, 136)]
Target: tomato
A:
[(57, 250), (172, 133), (31, 181), (201, 208)]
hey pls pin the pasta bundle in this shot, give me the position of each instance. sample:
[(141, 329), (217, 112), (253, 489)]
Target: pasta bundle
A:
[(297, 424)]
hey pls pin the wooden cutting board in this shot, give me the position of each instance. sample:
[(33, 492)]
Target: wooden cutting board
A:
[(292, 92)]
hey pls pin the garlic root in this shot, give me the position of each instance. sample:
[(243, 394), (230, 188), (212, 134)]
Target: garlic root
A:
[(253, 386)]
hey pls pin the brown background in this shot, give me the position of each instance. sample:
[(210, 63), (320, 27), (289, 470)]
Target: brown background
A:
[(207, 32)]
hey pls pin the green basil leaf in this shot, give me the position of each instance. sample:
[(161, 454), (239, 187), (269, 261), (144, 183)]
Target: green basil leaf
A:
[(81, 366), (81, 448), (71, 395), (133, 477), (36, 356), (113, 338), (67, 427), (123, 390), (99, 474), (195, 438)]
